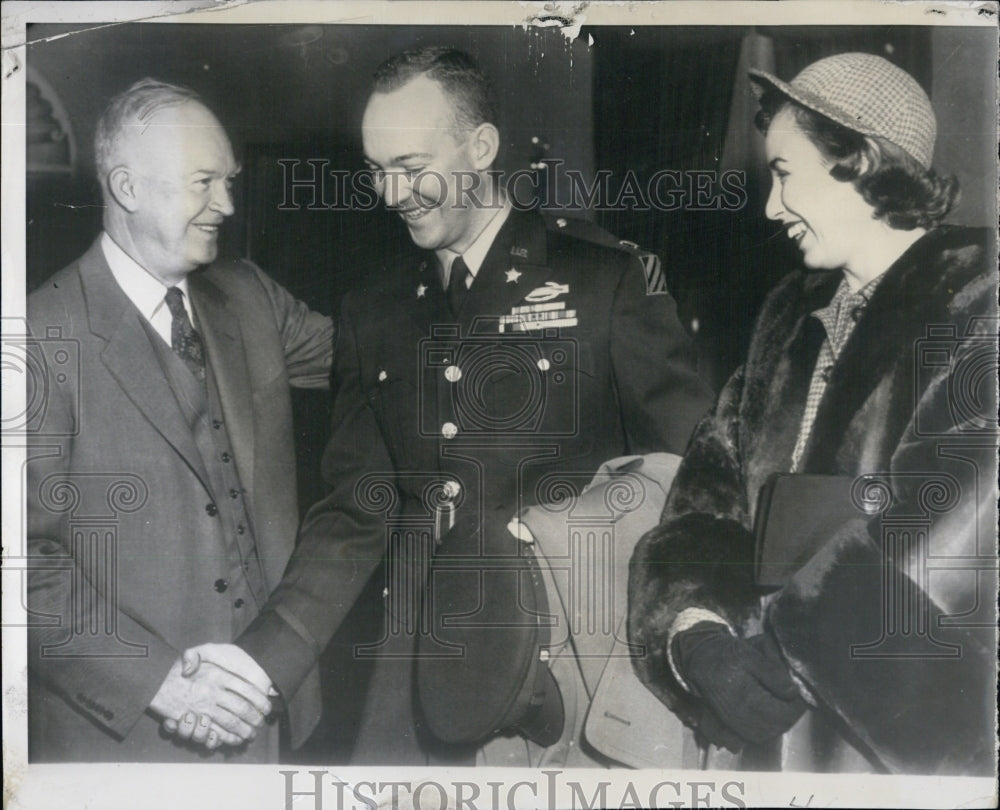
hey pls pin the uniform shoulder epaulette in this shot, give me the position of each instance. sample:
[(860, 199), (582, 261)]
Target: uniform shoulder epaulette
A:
[(656, 282)]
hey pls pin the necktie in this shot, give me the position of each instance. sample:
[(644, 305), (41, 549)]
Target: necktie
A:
[(457, 288), (184, 340)]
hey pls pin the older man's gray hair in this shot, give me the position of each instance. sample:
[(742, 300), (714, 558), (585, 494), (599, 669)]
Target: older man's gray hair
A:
[(133, 107)]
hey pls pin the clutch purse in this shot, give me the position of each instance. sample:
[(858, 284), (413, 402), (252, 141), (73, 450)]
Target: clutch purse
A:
[(796, 514)]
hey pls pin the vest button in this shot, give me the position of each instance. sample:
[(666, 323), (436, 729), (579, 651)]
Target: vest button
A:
[(217, 424), (238, 603), (234, 493), (211, 509), (221, 585), (241, 529), (226, 457)]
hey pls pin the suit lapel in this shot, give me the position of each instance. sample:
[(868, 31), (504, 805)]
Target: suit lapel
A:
[(514, 266), (226, 354), (420, 295), (131, 359)]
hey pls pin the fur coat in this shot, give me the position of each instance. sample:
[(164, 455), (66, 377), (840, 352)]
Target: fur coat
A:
[(910, 399)]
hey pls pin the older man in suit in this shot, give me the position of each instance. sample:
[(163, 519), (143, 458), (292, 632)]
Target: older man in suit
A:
[(161, 488), (509, 350)]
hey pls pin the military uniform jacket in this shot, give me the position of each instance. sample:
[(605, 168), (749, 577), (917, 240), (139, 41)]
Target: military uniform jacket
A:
[(890, 626), (438, 417)]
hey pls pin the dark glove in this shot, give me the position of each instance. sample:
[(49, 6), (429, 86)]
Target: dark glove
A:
[(749, 696)]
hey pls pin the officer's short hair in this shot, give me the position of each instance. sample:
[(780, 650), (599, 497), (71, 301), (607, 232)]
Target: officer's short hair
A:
[(456, 72), (137, 104)]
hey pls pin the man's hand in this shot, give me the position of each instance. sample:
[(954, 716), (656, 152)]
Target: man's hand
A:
[(749, 695), (215, 694)]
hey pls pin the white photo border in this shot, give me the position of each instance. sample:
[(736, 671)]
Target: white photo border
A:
[(287, 786)]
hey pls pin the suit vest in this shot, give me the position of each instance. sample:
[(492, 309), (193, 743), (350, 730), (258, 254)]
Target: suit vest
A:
[(244, 585)]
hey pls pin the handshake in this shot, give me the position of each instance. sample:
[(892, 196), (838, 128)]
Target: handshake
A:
[(214, 694)]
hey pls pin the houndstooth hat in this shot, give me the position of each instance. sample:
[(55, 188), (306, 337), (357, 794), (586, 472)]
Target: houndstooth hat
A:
[(866, 94)]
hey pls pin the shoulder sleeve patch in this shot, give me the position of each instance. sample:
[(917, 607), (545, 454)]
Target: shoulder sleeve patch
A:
[(656, 281)]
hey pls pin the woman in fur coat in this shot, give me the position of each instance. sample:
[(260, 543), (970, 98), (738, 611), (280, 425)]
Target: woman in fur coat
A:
[(876, 363)]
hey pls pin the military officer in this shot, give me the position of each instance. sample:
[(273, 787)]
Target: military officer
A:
[(509, 350)]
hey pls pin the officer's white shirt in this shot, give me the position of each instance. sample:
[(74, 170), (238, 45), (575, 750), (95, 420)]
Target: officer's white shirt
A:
[(143, 289), (476, 253)]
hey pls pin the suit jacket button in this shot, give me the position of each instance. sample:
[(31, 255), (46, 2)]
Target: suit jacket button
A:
[(221, 585), (449, 430), (211, 509)]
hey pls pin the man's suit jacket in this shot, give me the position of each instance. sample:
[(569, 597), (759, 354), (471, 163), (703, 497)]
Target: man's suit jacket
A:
[(441, 417), (118, 491)]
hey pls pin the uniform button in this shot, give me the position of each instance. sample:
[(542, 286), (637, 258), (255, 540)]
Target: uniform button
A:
[(544, 365), (238, 603), (211, 509), (449, 430), (234, 493), (241, 529), (221, 585), (217, 424), (452, 489), (453, 374), (226, 457)]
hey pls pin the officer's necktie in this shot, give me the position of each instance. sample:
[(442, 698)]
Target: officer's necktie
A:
[(184, 340), (457, 288)]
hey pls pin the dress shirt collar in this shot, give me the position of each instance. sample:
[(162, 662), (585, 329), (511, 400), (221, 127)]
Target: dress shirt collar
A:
[(843, 312), (142, 288), (475, 255)]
